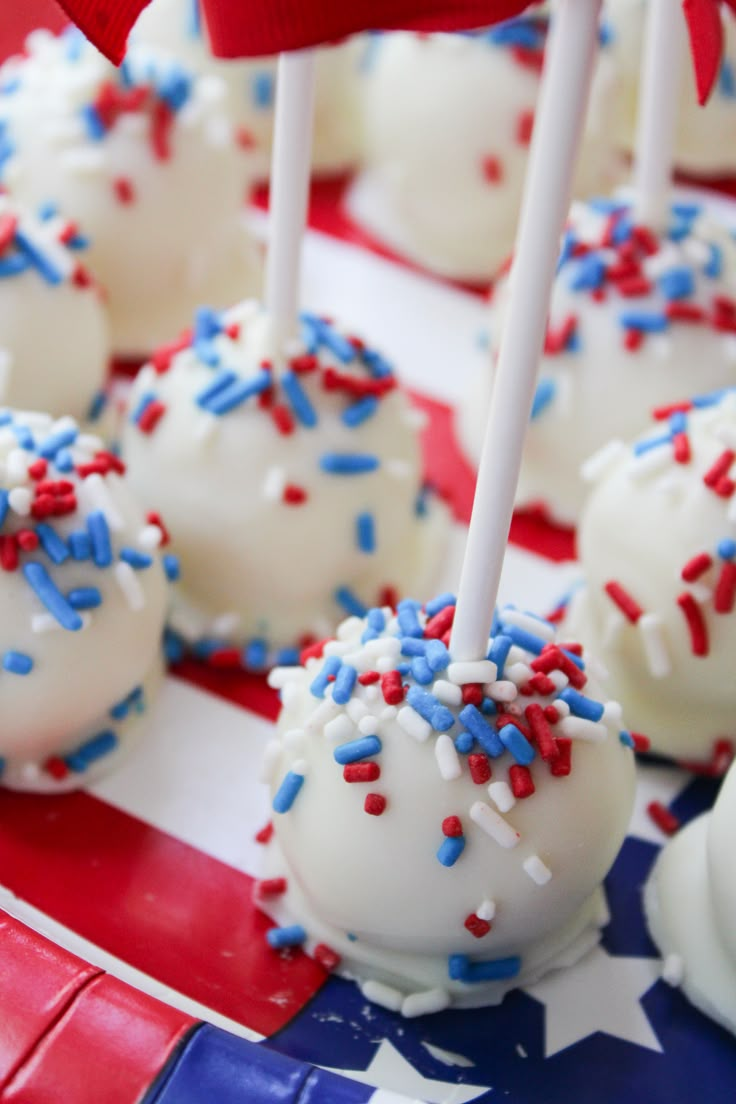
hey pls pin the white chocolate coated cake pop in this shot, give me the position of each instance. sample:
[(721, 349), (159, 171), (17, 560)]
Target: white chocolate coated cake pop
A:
[(84, 592), (690, 902), (177, 26), (447, 124), (705, 141), (441, 830), (54, 345), (290, 478), (636, 320), (656, 542), (144, 159)]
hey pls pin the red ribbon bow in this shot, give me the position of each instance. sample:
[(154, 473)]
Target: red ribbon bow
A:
[(705, 26)]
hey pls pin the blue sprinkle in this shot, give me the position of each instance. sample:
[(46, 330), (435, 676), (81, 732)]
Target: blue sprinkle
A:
[(581, 706), (47, 210), (287, 657), (80, 545), (421, 671), (348, 463), (355, 750), (322, 334), (142, 406), (649, 444), (51, 597), (431, 709), (622, 231), (514, 740), (222, 380), (194, 19), (238, 392), (688, 211), (413, 646), (293, 936), (524, 33), (96, 406), (523, 638), (134, 700), (83, 758), (93, 122), (255, 655), (262, 89), (407, 617), (589, 274), (3, 505), (24, 437), (298, 400), (206, 352), (286, 794), (173, 647), (53, 545), (330, 667), (64, 461), (99, 535), (359, 412), (460, 968), (175, 88), (378, 366), (481, 731), (437, 656), (498, 652), (171, 567), (17, 663), (678, 422), (464, 743), (403, 668), (451, 849), (74, 43), (543, 396), (726, 81), (644, 321), (712, 398), (56, 441), (14, 265), (714, 266), (136, 559), (626, 739), (576, 659), (350, 602), (489, 707), (344, 683), (84, 598), (677, 283), (727, 549), (436, 605), (376, 619)]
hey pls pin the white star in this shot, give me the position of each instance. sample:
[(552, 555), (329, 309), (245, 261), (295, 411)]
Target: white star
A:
[(390, 1071), (601, 992)]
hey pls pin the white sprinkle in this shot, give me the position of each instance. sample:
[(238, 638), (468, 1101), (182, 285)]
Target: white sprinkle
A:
[(655, 646), (384, 647), (494, 825), (150, 537), (518, 673), (501, 796), (416, 726), (398, 469), (82, 160), (273, 484), (349, 628), (19, 500), (613, 715), (578, 728), (486, 910), (479, 670), (447, 757), (269, 759), (294, 739), (336, 647), (290, 695), (368, 725), (340, 729), (225, 625), (299, 766), (382, 994), (384, 665), (649, 462), (388, 713), (96, 496), (321, 715), (613, 628), (46, 622), (279, 676), (204, 427), (422, 1004), (673, 970), (597, 465), (529, 622), (371, 694), (356, 710), (447, 692), (502, 691), (59, 256), (661, 346), (596, 669), (559, 679), (726, 434), (731, 511), (537, 870), (130, 585)]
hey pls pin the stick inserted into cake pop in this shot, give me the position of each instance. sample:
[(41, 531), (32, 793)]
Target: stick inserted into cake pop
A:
[(290, 164), (559, 120), (661, 70)]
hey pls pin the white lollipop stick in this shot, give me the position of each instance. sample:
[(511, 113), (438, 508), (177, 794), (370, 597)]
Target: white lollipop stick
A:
[(559, 120), (290, 163), (661, 72)]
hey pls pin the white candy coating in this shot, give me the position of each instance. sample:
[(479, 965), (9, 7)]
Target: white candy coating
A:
[(160, 201), (690, 902), (597, 388), (266, 535), (447, 124), (371, 885), (641, 531), (54, 345), (251, 85), (705, 142), (80, 670)]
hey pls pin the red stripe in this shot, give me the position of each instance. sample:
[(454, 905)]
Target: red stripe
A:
[(158, 904)]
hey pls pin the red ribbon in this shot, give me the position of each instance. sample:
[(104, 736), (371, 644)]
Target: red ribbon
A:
[(705, 26)]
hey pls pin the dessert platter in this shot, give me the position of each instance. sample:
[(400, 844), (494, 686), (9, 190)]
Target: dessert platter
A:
[(370, 826)]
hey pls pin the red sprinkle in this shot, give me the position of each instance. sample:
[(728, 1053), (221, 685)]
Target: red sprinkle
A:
[(392, 688), (725, 593), (681, 447), (327, 958), (368, 678), (556, 341), (629, 607), (472, 693), (492, 169), (719, 469), (313, 650), (541, 684), (541, 731), (56, 767), (551, 714), (552, 658), (151, 416), (524, 127), (678, 311), (695, 623), (124, 190), (696, 567), (27, 539), (361, 772), (38, 469), (562, 765), (374, 804), (154, 518), (480, 772), (438, 625), (8, 225), (294, 495), (663, 413), (663, 818), (8, 553), (641, 743), (271, 887), (265, 833), (283, 419), (224, 659), (633, 339), (452, 827), (476, 926), (522, 784)]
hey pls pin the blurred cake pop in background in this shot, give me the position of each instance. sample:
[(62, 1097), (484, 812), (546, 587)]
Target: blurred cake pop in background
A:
[(637, 319), (656, 542), (290, 478), (178, 26), (144, 160), (447, 122)]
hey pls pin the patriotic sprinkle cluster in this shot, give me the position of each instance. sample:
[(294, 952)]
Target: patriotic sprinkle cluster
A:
[(323, 363), (508, 722), (651, 285), (58, 508)]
